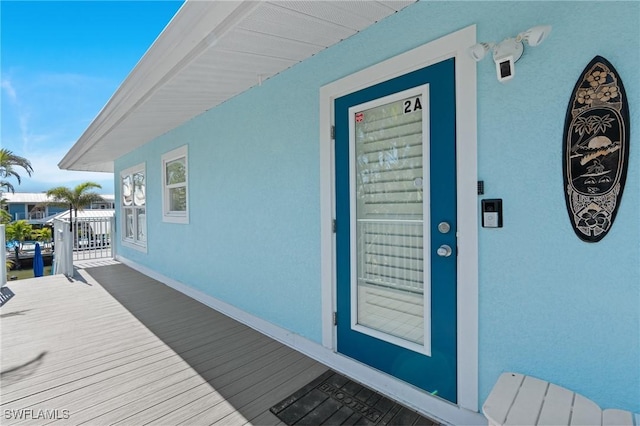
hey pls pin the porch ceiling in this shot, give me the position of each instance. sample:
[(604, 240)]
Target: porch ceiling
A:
[(209, 53)]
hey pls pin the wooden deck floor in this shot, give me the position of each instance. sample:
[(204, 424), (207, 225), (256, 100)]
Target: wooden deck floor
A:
[(116, 347)]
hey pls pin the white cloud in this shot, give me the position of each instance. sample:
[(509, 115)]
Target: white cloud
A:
[(9, 90), (47, 175), (21, 116), (43, 114), (45, 108)]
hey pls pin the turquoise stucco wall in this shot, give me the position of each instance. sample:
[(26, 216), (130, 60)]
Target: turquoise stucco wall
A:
[(550, 305)]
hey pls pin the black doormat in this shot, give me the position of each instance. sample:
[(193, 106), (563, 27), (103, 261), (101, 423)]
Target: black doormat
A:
[(332, 399), (5, 295)]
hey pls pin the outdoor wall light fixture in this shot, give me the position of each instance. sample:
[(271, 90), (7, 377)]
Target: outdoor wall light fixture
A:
[(509, 50)]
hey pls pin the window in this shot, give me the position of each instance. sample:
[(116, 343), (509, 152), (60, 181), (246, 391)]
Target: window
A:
[(175, 203), (134, 207)]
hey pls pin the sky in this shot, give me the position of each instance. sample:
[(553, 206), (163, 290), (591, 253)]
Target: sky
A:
[(60, 63)]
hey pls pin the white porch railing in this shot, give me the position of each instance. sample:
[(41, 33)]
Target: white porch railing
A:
[(92, 238), (3, 257), (88, 239)]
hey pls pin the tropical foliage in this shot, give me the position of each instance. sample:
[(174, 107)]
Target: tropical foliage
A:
[(42, 234), (9, 162), (5, 217), (19, 230), (78, 197)]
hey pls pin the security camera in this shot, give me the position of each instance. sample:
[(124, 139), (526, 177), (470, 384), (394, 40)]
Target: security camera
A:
[(509, 50), (505, 55), (505, 68)]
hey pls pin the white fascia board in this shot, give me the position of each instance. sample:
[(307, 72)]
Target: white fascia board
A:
[(196, 26)]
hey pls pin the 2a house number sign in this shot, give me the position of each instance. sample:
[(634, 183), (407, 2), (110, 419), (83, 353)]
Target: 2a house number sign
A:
[(596, 150), (412, 105)]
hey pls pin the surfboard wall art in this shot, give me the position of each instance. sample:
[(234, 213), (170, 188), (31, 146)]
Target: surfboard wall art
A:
[(596, 150)]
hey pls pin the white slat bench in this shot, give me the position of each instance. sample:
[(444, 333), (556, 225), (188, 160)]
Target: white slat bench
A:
[(521, 400)]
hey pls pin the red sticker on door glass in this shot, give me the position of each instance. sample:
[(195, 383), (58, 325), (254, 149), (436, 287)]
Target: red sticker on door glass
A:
[(359, 117)]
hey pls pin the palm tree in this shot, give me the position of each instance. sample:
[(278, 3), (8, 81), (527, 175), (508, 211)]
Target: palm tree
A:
[(8, 164), (8, 264), (42, 235), (5, 217), (78, 198), (20, 230)]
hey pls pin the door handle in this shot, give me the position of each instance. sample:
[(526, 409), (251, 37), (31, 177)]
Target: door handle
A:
[(444, 251), (444, 227)]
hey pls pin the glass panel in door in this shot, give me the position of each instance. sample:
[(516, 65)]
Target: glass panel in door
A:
[(391, 205)]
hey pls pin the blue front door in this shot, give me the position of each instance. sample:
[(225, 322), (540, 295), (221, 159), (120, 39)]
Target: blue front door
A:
[(396, 227)]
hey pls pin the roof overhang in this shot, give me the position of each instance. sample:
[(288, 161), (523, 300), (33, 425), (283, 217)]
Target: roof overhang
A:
[(210, 52)]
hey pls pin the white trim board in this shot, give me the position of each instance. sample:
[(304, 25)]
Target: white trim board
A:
[(414, 398), (453, 45)]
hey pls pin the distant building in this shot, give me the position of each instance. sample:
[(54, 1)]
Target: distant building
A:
[(108, 203), (36, 207)]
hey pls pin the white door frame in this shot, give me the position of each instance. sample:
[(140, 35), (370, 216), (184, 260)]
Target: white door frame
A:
[(452, 45)]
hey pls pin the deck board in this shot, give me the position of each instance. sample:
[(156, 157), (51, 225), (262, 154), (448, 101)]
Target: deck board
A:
[(114, 346)]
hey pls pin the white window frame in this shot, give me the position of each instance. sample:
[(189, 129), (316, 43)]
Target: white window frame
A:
[(134, 242), (168, 215)]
